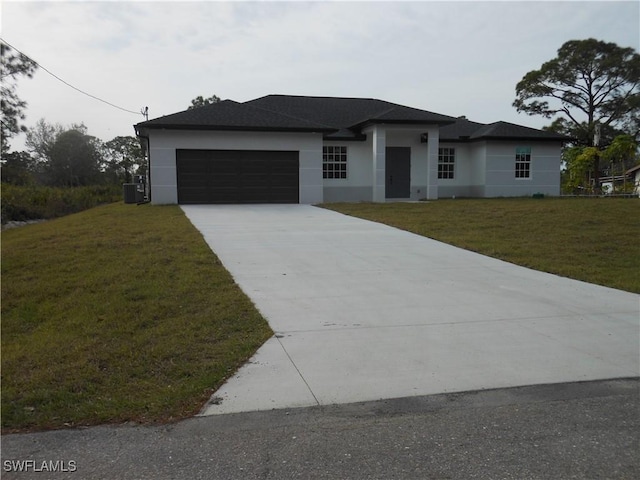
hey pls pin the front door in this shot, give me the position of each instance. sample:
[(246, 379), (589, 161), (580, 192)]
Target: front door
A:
[(398, 171)]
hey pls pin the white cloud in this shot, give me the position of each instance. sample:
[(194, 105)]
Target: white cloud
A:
[(454, 58)]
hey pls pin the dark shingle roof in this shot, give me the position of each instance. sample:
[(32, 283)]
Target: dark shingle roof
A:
[(466, 130), (511, 130), (337, 118), (348, 115), (461, 130), (230, 115)]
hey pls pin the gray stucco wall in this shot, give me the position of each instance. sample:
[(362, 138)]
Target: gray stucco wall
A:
[(348, 194), (461, 191), (544, 169), (483, 169), (163, 145)]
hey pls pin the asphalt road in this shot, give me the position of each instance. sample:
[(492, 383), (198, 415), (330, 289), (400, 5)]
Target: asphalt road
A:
[(585, 430)]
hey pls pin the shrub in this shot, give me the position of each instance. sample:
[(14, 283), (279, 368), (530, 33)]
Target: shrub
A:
[(33, 202)]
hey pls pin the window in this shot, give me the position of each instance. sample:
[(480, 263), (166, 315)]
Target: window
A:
[(523, 162), (334, 162), (446, 162)]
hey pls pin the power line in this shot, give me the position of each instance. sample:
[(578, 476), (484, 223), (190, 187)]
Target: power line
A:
[(67, 83)]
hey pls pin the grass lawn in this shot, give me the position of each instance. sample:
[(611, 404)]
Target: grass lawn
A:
[(119, 313), (591, 239)]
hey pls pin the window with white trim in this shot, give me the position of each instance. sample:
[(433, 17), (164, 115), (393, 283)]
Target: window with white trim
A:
[(334, 161), (523, 162), (446, 162)]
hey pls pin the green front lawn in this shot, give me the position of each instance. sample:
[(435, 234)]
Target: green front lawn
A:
[(119, 313), (596, 240)]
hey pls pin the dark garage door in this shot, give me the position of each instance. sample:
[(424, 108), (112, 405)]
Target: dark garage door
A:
[(237, 176)]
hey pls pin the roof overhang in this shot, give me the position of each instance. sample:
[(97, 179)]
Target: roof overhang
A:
[(504, 138), (140, 129), (409, 123)]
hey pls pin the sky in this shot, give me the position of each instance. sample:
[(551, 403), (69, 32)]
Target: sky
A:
[(455, 58)]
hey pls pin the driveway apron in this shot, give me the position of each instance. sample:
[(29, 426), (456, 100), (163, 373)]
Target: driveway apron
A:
[(363, 311)]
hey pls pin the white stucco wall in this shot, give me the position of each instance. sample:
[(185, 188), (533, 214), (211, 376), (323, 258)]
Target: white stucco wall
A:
[(469, 171), (366, 164), (379, 143), (478, 154), (365, 169), (482, 169), (357, 187), (463, 166), (458, 186), (487, 169), (500, 169), (164, 143)]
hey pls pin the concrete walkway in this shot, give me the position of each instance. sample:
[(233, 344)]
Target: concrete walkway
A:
[(363, 311)]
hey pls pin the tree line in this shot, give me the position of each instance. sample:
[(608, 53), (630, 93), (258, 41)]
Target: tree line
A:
[(69, 157)]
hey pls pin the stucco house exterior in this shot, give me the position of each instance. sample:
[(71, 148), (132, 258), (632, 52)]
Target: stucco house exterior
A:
[(300, 149)]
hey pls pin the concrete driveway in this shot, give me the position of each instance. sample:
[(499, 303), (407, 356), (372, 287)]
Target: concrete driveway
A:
[(363, 311)]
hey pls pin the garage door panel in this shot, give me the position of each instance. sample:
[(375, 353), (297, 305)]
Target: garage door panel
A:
[(195, 181), (222, 165), (192, 195), (256, 166), (237, 176), (254, 180), (222, 195), (281, 195), (283, 180), (193, 155), (255, 194), (222, 180), (284, 166)]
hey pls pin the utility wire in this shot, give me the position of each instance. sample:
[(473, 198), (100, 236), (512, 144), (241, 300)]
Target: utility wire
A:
[(67, 83)]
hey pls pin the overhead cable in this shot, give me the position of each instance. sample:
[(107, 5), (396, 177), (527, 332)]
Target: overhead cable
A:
[(67, 83)]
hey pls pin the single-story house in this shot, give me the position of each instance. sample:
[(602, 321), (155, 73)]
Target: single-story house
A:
[(300, 149)]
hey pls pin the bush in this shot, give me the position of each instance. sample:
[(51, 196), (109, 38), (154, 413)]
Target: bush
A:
[(33, 202)]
